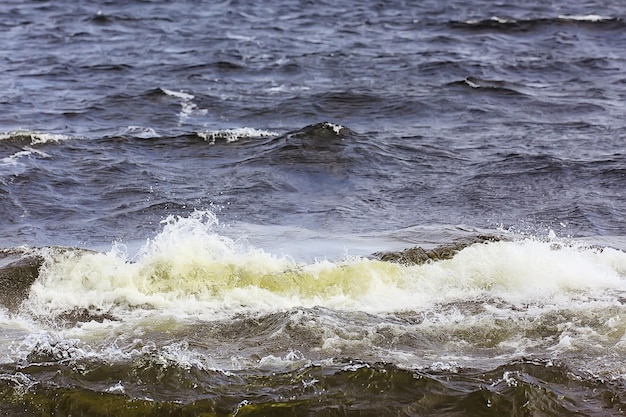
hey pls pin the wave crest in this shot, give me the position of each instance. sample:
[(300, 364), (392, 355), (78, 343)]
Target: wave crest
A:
[(189, 268), (233, 135), (32, 137)]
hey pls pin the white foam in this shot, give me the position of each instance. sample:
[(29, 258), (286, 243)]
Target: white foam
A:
[(291, 361), (190, 269), (27, 151), (35, 137), (117, 388), (178, 94), (233, 135), (527, 269), (140, 132), (472, 84), (335, 127), (187, 107), (586, 18), (500, 295), (502, 20)]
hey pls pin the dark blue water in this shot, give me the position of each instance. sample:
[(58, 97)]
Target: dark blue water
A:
[(214, 154)]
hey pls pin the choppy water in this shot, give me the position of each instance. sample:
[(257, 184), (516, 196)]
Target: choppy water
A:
[(196, 196)]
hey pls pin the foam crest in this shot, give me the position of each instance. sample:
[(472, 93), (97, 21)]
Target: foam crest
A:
[(528, 268), (189, 268), (14, 164), (335, 127), (187, 106), (233, 135), (586, 18), (141, 132), (34, 137)]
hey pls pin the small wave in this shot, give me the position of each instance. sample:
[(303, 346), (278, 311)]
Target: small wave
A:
[(178, 94), (33, 137), (322, 130), (233, 135), (593, 18), (140, 132), (508, 24), (102, 18), (347, 103), (495, 23), (25, 144), (12, 163), (321, 143), (493, 86)]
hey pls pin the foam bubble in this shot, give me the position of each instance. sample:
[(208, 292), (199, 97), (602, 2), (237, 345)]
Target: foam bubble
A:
[(233, 135), (335, 127), (117, 388)]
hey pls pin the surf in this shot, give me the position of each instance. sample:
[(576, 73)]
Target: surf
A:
[(190, 268)]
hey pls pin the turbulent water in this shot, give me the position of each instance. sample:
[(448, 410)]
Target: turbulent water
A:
[(312, 208)]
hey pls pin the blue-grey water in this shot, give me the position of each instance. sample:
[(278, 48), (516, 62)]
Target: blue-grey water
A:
[(192, 193)]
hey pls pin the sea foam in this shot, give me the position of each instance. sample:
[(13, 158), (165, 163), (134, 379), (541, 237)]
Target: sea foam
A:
[(189, 268)]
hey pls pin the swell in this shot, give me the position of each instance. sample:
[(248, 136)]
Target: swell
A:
[(320, 143), (517, 175), (322, 175)]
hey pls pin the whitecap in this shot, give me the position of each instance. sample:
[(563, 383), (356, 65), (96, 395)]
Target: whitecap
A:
[(178, 94), (187, 107), (586, 18), (35, 137), (139, 132), (233, 135), (191, 269), (334, 126)]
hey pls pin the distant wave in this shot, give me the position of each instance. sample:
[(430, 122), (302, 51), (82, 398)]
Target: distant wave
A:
[(234, 134), (494, 86), (25, 144), (325, 142), (511, 24), (32, 137)]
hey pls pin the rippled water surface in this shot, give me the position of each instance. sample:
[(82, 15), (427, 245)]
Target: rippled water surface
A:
[(310, 208)]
